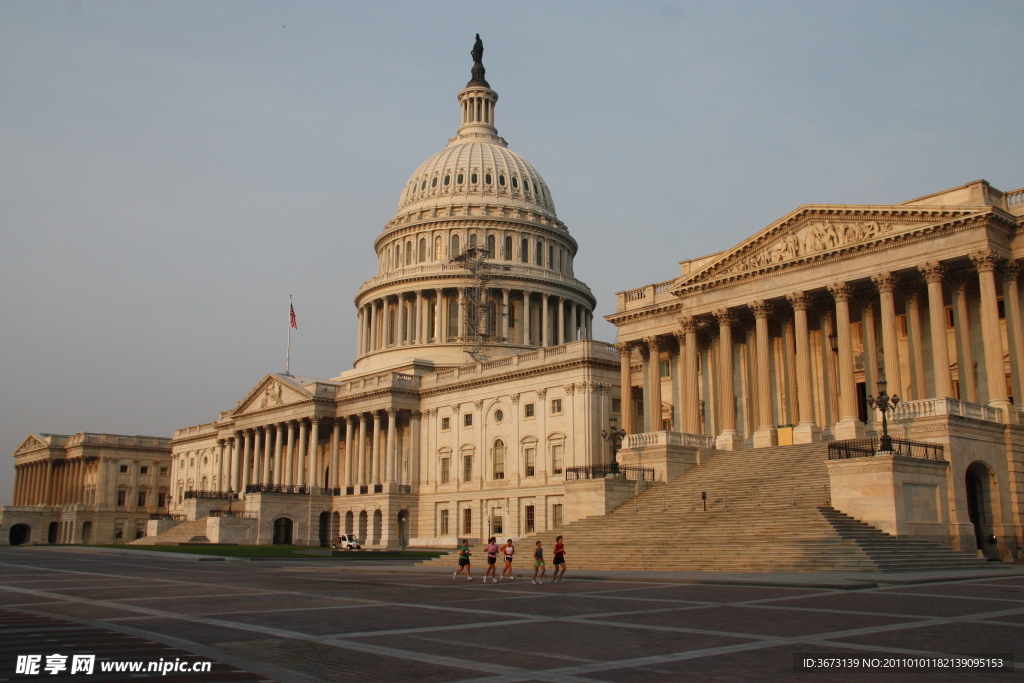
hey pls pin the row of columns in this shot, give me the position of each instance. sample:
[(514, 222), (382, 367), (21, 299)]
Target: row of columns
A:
[(845, 411), (422, 317), (50, 482)]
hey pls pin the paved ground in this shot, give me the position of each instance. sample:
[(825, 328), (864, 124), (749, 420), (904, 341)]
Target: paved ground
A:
[(324, 620)]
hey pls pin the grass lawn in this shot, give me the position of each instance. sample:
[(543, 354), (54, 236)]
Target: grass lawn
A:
[(284, 552)]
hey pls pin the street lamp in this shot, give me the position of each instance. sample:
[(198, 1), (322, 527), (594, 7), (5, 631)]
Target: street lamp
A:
[(884, 403), (614, 438)]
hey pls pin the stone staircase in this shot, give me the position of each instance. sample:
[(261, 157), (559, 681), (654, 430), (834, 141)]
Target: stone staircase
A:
[(767, 510), (186, 532)]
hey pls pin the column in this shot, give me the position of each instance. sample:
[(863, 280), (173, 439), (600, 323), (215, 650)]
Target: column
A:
[(573, 321), (243, 465), (375, 450), (390, 452), (1015, 327), (915, 352), (870, 351), (690, 388), (220, 468), (506, 315), (414, 446), (362, 450), (335, 455), (421, 320), (350, 460), (400, 321), (766, 434), (374, 332), (991, 336), (314, 441), (962, 333), (933, 273), (626, 386), (886, 284), (278, 452), (438, 335), (729, 439), (545, 321), (560, 321), (461, 330), (18, 482), (289, 457), (258, 476), (526, 317), (300, 456), (359, 336), (652, 384), (806, 431), (848, 426)]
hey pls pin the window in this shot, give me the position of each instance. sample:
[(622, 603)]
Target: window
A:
[(447, 179), (551, 258), (206, 461), (531, 520), (467, 420), (191, 463), (444, 523), (528, 410), (459, 179), (472, 239), (556, 515), (556, 458), (423, 250), (499, 416), (526, 185), (140, 530), (487, 178), (640, 407), (161, 499), (124, 469), (122, 498), (540, 253), (665, 368), (446, 424), (473, 178), (467, 468), (433, 182), (455, 246), (467, 521), (142, 499), (531, 462), (1001, 307), (508, 248), (118, 531), (617, 405), (501, 180), (445, 470), (408, 252), (515, 183), (497, 528), (437, 248), (556, 406), (143, 470), (524, 251), (490, 246), (499, 459), (949, 318)]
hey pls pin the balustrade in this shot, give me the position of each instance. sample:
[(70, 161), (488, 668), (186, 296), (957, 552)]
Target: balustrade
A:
[(649, 439), (931, 407)]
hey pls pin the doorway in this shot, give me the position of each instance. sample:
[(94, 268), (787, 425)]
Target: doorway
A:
[(53, 532), (282, 531), (979, 508), (20, 533), (86, 533), (325, 529)]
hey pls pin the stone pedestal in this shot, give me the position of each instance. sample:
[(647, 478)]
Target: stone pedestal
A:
[(155, 527), (231, 530), (904, 497), (669, 453), (197, 508), (848, 429), (765, 438), (729, 441), (806, 433)]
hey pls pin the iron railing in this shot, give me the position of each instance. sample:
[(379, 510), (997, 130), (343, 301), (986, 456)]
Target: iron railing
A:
[(866, 448), (404, 488), (632, 472), (226, 495), (378, 488), (330, 491), (363, 489), (161, 516), (350, 490), (278, 488), (239, 514)]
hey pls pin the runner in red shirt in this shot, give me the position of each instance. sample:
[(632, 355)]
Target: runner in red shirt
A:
[(559, 561)]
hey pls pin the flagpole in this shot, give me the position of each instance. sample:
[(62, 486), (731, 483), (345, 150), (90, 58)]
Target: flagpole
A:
[(288, 350)]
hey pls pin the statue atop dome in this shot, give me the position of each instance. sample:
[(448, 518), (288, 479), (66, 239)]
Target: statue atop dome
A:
[(478, 65)]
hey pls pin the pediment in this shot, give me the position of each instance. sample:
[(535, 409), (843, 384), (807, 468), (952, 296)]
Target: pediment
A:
[(815, 232), (31, 443), (270, 393)]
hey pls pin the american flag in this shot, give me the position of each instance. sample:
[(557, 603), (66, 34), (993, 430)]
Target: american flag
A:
[(291, 317)]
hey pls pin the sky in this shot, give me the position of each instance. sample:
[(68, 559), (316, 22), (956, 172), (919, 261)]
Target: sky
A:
[(170, 172)]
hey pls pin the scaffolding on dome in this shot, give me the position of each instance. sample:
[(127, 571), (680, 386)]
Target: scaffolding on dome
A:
[(480, 311)]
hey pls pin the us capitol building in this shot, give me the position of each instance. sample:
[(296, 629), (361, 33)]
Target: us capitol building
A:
[(479, 404)]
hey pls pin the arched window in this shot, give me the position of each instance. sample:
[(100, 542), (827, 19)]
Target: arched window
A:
[(526, 185), (467, 463), (540, 253), (501, 180), (472, 240), (459, 178), (508, 247), (498, 459), (524, 251), (490, 246), (437, 248), (515, 183), (423, 250), (408, 253), (455, 251), (551, 258), (453, 318), (433, 183), (447, 180)]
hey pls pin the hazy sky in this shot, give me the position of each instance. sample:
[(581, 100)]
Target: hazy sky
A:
[(171, 171)]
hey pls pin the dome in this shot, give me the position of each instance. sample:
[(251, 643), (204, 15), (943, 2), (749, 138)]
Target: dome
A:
[(472, 171)]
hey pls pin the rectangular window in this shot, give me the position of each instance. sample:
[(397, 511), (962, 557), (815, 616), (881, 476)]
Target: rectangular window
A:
[(496, 522), (556, 406), (143, 470), (556, 458), (665, 368), (467, 521), (445, 470), (531, 520), (499, 462), (140, 530), (617, 405), (161, 500), (118, 531), (164, 471), (142, 499), (556, 515), (124, 469), (122, 497), (446, 424), (467, 420), (467, 468), (528, 410), (531, 462), (444, 523)]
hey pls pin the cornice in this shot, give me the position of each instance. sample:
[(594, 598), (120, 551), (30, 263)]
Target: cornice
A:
[(496, 281), (644, 313), (588, 362)]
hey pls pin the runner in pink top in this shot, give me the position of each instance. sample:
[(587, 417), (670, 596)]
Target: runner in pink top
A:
[(492, 557)]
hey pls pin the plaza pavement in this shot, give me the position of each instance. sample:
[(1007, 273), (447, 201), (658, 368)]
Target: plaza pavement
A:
[(326, 620)]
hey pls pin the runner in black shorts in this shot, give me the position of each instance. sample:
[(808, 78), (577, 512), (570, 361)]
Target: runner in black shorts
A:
[(464, 560), (559, 561), (509, 550), (492, 557)]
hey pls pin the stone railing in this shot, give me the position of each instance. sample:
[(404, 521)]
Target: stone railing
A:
[(1014, 200), (648, 439), (645, 296), (931, 407), (90, 439), (197, 430)]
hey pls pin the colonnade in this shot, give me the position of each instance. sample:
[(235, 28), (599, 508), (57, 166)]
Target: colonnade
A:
[(50, 482), (440, 315), (790, 371)]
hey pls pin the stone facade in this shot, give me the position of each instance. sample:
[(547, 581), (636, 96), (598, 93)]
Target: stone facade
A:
[(86, 488)]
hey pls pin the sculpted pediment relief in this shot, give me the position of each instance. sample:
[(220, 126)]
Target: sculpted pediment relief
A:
[(809, 234), (270, 393), (31, 443)]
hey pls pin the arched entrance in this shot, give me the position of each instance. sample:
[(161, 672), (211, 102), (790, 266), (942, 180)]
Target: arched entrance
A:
[(282, 531), (362, 527), (53, 532), (378, 524), (350, 527), (86, 533), (978, 480), (335, 526), (325, 529), (20, 533)]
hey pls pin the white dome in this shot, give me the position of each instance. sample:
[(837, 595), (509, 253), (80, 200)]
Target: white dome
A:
[(474, 172)]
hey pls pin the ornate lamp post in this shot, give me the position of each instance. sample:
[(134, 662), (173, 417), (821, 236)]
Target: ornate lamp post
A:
[(884, 403), (614, 437)]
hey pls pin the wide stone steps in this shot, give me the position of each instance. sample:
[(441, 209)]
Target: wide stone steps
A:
[(186, 532), (767, 510)]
